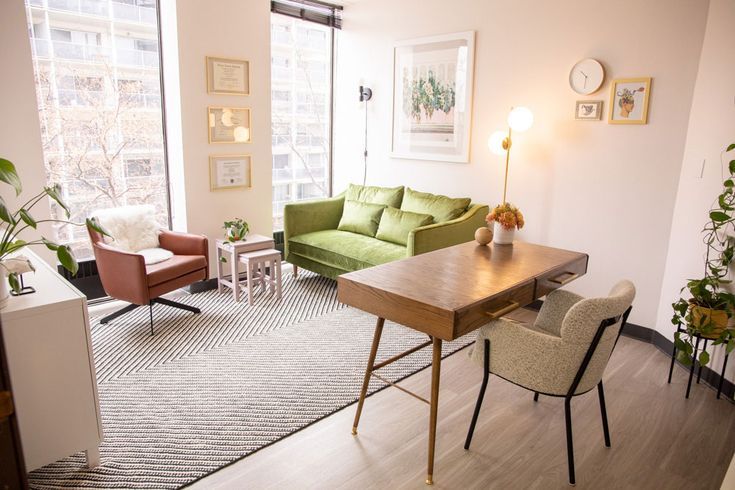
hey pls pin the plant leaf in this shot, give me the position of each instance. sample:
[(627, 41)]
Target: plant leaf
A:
[(5, 213), (9, 175), (703, 358), (65, 256), (13, 281), (50, 245), (92, 223), (729, 182), (55, 194), (731, 147), (718, 216), (27, 218)]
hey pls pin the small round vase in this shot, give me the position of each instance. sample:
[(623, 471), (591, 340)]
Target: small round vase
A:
[(502, 235), (483, 235)]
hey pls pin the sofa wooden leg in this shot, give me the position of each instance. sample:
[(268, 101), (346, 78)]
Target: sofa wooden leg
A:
[(295, 272)]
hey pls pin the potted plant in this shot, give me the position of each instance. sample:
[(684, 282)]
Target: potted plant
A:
[(20, 221), (236, 229), (709, 307), (509, 218)]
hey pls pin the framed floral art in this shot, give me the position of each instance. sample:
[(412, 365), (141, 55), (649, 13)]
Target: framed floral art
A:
[(432, 97), (629, 101)]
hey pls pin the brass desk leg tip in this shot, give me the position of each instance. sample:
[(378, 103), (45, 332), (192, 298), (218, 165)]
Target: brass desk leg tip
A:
[(430, 480), (354, 431)]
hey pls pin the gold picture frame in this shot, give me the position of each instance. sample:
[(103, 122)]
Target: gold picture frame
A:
[(228, 76), (229, 125), (629, 101), (230, 172)]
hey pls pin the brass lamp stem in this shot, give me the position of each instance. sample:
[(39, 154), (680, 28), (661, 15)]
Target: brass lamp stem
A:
[(506, 144)]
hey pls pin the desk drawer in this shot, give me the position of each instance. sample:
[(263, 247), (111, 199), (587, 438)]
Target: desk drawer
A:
[(507, 301), (560, 276)]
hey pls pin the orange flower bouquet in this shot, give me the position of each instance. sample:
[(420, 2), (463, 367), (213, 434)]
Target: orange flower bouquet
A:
[(507, 215)]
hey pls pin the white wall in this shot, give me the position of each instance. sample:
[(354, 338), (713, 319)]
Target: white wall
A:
[(232, 29), (711, 130), (603, 189), (20, 133)]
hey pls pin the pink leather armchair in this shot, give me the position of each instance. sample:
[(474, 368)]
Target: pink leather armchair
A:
[(125, 276)]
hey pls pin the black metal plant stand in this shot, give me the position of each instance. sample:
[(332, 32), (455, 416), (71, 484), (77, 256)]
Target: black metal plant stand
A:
[(694, 363)]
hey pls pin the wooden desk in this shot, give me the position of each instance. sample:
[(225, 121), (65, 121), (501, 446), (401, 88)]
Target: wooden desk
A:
[(451, 292)]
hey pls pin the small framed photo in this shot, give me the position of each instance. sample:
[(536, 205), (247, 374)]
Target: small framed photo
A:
[(229, 172), (228, 124), (588, 110), (629, 101), (226, 76)]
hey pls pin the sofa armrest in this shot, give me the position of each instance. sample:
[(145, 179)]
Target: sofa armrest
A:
[(123, 274), (305, 217), (185, 244), (440, 235)]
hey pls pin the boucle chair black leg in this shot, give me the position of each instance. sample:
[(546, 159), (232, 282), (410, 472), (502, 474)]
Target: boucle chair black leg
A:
[(485, 376), (570, 443), (535, 396), (603, 412)]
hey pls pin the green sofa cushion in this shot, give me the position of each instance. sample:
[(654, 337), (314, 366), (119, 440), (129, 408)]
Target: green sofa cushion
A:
[(442, 208), (345, 250), (389, 196), (361, 217), (395, 225)]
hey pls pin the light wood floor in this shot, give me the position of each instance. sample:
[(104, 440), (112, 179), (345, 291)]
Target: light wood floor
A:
[(659, 439)]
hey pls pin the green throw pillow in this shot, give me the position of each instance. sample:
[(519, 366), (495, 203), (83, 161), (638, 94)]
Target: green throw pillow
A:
[(389, 196), (395, 225), (361, 217), (442, 208)]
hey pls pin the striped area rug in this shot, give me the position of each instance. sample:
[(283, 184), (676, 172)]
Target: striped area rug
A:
[(210, 389)]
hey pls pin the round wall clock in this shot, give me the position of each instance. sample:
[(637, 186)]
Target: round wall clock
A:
[(586, 76)]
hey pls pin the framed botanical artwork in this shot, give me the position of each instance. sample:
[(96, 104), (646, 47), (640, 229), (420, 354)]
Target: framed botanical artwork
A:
[(432, 97), (629, 101), (227, 76), (588, 110), (228, 124), (229, 172)]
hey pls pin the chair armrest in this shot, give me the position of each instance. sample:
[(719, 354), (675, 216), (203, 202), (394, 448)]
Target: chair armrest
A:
[(123, 274), (527, 357), (185, 244), (305, 217), (554, 309), (440, 235)]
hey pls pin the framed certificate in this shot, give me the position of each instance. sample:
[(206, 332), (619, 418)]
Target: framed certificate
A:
[(228, 124), (228, 76), (229, 172)]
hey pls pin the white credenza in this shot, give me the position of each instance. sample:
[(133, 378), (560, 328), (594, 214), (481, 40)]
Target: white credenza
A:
[(51, 367)]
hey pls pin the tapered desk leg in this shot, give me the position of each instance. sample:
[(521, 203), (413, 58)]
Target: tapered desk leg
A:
[(435, 375), (368, 371)]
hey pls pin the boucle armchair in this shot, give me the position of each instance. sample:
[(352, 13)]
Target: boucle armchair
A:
[(564, 353)]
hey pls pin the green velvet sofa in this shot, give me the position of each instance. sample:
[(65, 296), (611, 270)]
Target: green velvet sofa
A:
[(313, 241)]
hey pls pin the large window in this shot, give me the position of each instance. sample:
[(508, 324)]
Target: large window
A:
[(301, 94), (99, 100)]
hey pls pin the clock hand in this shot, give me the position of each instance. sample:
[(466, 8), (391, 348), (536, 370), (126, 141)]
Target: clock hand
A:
[(583, 73)]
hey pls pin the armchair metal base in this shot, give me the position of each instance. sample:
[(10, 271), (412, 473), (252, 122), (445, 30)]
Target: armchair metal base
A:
[(163, 301)]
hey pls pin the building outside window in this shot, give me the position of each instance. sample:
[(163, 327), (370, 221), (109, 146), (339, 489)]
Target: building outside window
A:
[(99, 99), (301, 94)]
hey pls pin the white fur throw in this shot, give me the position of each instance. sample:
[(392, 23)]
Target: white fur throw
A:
[(155, 255), (133, 228)]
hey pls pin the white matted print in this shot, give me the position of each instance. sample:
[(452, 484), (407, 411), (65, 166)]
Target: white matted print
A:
[(629, 101), (588, 110), (432, 97)]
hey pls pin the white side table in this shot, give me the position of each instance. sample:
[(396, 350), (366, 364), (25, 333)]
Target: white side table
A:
[(231, 250), (257, 263)]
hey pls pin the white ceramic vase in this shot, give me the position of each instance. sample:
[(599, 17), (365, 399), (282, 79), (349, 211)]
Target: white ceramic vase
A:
[(502, 235)]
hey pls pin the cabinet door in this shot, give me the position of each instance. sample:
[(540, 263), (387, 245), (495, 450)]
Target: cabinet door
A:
[(49, 366)]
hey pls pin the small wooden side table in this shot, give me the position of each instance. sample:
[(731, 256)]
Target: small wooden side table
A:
[(263, 267), (231, 250)]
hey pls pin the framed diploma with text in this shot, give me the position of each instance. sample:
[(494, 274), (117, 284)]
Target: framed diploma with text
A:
[(229, 172), (228, 124), (228, 76)]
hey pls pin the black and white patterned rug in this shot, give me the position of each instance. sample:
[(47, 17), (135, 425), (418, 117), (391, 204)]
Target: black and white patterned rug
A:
[(210, 389)]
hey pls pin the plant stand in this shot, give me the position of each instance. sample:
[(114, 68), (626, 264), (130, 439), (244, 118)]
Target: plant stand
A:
[(694, 362)]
